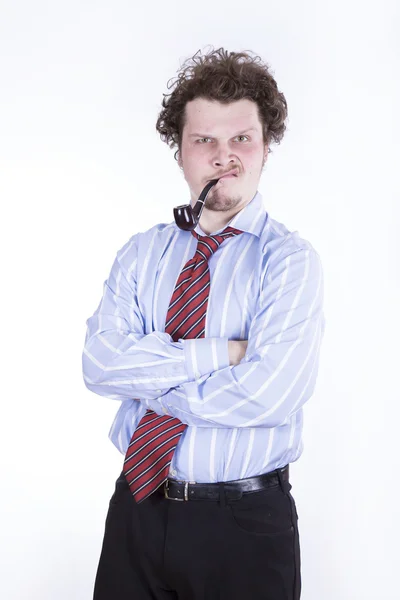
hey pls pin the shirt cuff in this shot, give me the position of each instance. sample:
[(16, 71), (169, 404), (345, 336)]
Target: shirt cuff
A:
[(205, 355)]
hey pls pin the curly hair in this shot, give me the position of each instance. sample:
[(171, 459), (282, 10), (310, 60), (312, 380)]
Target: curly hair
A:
[(225, 77)]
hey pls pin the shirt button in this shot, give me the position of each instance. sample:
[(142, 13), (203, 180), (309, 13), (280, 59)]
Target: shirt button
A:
[(165, 411), (197, 375), (173, 472)]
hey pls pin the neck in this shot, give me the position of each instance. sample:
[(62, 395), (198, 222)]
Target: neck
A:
[(212, 221)]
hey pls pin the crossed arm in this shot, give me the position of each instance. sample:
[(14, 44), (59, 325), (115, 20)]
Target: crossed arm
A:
[(214, 382)]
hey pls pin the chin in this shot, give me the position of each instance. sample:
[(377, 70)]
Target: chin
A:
[(224, 203)]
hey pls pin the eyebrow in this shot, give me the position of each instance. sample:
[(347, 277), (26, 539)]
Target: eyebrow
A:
[(209, 134)]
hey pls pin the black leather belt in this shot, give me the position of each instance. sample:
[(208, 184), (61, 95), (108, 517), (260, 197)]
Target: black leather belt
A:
[(188, 490)]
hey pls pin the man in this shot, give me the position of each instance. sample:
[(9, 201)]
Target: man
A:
[(211, 340)]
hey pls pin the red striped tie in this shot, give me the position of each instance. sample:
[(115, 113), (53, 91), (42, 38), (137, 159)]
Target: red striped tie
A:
[(153, 443)]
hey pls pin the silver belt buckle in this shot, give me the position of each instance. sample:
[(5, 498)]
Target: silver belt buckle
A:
[(185, 491)]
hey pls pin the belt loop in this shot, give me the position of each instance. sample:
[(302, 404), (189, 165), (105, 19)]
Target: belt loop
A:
[(284, 484), (222, 499)]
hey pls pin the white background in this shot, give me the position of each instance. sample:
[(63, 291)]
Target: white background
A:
[(82, 169)]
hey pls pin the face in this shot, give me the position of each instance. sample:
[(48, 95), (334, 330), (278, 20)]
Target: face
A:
[(218, 138)]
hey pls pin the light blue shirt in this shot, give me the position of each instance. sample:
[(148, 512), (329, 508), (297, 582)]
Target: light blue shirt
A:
[(267, 288)]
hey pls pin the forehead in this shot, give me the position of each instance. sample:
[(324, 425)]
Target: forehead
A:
[(206, 116)]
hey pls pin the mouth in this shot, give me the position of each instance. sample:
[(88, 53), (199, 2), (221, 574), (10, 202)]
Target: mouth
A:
[(225, 179), (229, 175)]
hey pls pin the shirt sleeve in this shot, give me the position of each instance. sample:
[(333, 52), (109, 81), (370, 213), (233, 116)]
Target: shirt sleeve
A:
[(120, 361), (278, 373)]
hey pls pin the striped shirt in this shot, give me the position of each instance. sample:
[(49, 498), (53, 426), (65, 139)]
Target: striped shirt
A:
[(267, 288)]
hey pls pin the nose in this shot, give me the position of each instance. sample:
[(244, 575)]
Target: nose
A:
[(223, 156)]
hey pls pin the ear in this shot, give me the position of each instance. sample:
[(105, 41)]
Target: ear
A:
[(180, 160)]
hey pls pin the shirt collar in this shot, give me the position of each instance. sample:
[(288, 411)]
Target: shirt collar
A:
[(250, 219)]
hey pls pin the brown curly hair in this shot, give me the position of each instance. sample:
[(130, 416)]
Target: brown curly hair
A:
[(225, 77)]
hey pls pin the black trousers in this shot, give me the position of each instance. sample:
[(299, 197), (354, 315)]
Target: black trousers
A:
[(162, 549)]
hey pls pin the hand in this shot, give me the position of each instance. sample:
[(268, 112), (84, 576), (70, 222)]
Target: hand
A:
[(237, 350)]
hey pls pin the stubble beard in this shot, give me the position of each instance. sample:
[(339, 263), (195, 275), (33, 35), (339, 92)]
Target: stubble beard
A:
[(220, 201)]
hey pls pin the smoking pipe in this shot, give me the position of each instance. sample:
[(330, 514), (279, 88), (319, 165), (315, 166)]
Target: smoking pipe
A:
[(187, 217)]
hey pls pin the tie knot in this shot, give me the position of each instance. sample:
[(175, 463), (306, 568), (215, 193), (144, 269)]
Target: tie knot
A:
[(208, 244)]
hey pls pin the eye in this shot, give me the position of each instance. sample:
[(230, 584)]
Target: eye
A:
[(242, 136), (200, 140)]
